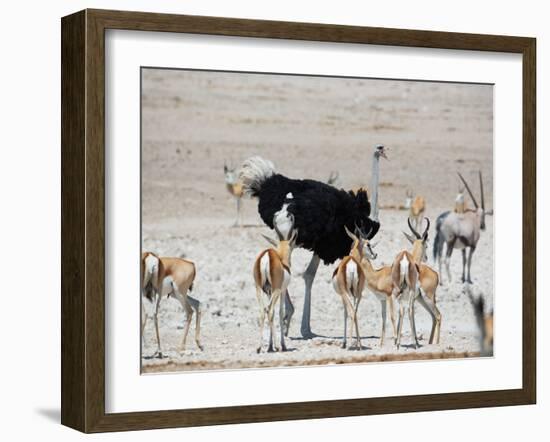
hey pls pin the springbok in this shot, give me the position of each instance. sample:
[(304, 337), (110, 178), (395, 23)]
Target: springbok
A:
[(428, 280), (416, 206), (410, 278), (460, 231), (235, 188), (349, 280), (484, 322), (272, 275), (163, 277), (378, 281)]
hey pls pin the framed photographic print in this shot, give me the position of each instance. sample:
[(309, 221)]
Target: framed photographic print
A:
[(270, 220)]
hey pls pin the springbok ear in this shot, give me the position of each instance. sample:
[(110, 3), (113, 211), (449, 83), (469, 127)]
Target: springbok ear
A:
[(409, 237), (270, 240)]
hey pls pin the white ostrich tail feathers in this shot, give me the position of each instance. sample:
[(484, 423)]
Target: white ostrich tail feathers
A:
[(254, 171)]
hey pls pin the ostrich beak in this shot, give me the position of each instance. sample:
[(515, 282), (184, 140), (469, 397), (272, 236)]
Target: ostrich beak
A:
[(383, 153)]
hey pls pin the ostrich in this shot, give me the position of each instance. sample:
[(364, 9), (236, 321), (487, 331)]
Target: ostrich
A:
[(320, 212)]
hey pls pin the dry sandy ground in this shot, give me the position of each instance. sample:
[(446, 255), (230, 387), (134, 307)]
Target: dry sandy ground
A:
[(308, 126)]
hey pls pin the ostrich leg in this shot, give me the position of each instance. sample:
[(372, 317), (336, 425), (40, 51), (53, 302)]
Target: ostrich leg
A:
[(309, 276)]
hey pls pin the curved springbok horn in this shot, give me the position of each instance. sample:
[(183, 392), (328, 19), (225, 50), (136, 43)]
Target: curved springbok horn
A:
[(468, 189), (425, 234), (351, 235), (415, 233), (481, 187), (366, 235)]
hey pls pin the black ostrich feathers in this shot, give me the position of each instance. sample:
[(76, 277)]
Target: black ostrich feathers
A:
[(320, 213)]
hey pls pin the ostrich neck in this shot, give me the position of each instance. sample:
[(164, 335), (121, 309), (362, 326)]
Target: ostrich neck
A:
[(374, 186)]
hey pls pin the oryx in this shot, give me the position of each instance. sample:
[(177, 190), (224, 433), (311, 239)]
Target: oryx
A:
[(460, 231)]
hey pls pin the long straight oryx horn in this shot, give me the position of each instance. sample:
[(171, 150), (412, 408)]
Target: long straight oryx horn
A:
[(468, 189), (482, 194), (415, 233)]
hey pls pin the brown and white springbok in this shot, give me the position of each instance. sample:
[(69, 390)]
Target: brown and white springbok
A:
[(379, 282), (272, 276), (412, 280), (428, 280), (349, 281), (416, 206), (164, 277)]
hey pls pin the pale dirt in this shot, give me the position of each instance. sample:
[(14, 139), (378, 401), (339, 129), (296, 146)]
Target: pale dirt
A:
[(308, 126)]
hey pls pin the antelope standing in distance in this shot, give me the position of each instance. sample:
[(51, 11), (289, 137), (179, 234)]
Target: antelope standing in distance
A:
[(235, 188), (164, 277), (484, 321), (460, 231), (272, 276), (349, 280), (416, 206), (428, 280)]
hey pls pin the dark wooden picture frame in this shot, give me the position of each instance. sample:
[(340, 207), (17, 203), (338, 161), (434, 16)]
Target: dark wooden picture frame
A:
[(83, 220)]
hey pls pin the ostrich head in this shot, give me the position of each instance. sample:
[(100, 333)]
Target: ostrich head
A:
[(380, 151)]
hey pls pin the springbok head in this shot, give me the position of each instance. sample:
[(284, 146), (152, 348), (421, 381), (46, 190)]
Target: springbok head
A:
[(418, 240), (361, 242), (479, 209)]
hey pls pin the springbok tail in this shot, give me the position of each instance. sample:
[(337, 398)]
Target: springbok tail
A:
[(403, 272), (254, 171)]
